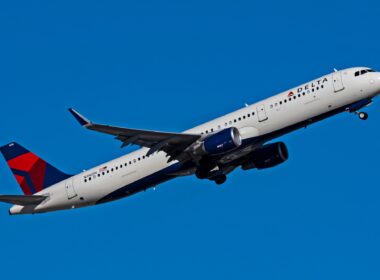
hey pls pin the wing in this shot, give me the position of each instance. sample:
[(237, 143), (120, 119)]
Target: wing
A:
[(174, 144)]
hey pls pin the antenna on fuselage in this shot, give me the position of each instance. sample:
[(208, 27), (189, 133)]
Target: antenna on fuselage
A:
[(246, 104), (335, 70)]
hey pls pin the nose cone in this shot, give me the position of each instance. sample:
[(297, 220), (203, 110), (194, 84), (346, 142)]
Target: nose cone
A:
[(374, 82), (377, 82)]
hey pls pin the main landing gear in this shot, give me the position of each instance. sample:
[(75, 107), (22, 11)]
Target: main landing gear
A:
[(362, 115), (219, 180)]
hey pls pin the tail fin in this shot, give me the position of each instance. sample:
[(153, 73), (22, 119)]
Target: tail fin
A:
[(31, 172)]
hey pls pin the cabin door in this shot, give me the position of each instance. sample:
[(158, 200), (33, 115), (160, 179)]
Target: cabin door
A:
[(337, 81), (70, 191), (261, 113)]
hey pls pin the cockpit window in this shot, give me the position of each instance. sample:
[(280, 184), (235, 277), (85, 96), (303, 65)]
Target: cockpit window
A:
[(362, 72)]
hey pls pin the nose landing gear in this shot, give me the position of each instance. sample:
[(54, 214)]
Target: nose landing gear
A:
[(354, 108), (363, 116)]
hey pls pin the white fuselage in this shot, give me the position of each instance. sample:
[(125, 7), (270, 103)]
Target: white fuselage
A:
[(135, 171)]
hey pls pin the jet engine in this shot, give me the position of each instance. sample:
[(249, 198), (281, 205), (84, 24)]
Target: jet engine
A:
[(268, 156), (220, 142)]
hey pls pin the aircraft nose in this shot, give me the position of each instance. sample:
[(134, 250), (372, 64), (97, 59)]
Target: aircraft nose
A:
[(374, 81)]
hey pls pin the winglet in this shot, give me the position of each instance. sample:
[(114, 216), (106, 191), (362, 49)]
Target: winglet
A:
[(82, 120)]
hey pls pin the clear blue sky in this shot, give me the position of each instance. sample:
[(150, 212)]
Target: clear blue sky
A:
[(170, 65)]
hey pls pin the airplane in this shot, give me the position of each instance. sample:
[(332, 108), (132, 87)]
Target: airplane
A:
[(211, 151)]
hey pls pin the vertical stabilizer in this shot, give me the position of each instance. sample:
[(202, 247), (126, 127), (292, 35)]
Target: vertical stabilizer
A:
[(32, 173)]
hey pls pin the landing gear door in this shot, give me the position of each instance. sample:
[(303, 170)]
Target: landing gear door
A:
[(70, 191), (261, 113), (337, 81)]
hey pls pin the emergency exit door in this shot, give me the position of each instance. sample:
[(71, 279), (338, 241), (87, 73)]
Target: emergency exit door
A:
[(70, 191), (261, 113), (337, 81)]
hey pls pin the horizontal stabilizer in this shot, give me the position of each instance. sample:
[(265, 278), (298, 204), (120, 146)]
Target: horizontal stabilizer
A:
[(23, 200)]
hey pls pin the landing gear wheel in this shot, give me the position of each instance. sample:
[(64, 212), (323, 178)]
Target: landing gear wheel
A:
[(220, 180), (201, 173), (363, 116)]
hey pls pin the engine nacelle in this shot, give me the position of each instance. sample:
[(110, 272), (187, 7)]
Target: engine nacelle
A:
[(221, 142), (268, 156)]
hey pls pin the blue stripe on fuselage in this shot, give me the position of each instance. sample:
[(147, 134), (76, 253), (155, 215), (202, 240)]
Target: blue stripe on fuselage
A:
[(143, 183)]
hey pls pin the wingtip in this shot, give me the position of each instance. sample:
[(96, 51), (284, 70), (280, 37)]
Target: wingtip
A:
[(82, 120)]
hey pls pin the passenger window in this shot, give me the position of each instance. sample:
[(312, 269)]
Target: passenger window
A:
[(357, 73)]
